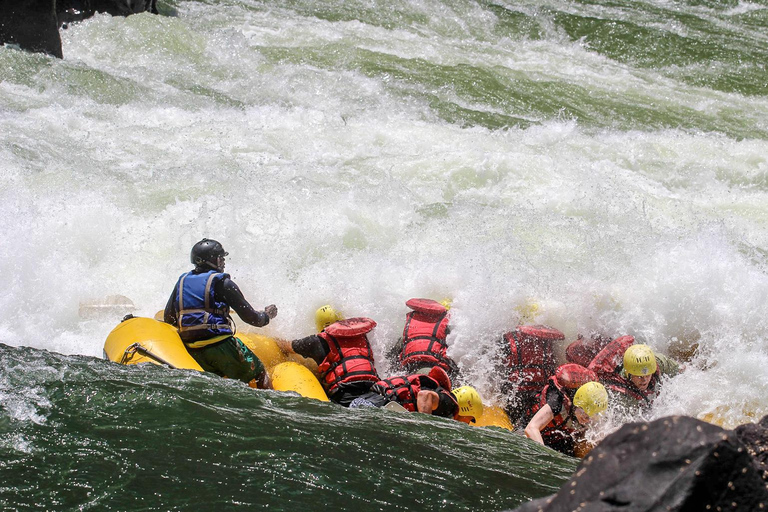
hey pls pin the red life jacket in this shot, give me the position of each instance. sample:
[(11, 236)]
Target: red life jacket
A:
[(424, 335), (608, 364), (583, 350), (616, 382), (405, 390), (530, 355), (350, 358), (611, 357), (567, 379)]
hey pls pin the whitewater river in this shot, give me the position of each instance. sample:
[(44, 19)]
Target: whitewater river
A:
[(594, 166)]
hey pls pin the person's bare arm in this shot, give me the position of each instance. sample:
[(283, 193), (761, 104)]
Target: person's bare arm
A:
[(540, 420), (427, 401)]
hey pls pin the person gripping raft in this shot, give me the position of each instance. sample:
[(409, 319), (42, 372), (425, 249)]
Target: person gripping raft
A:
[(199, 307), (567, 405), (342, 352), (427, 394)]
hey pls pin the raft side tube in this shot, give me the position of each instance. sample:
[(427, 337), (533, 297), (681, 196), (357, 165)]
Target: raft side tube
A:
[(493, 416), (292, 376), (264, 347), (152, 337)]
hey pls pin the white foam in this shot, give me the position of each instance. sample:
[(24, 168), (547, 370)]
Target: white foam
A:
[(329, 184)]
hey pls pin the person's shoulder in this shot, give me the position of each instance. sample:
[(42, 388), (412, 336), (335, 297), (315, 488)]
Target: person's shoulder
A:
[(312, 338), (667, 365), (225, 279), (555, 394)]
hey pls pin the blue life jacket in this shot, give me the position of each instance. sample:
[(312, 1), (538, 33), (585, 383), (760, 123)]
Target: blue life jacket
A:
[(197, 308)]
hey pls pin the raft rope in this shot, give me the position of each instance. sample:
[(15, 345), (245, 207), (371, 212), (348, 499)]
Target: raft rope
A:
[(136, 347)]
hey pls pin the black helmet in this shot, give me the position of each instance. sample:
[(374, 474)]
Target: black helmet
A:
[(207, 252)]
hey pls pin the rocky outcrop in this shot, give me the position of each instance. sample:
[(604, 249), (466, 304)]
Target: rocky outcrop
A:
[(672, 464), (69, 11), (34, 24), (755, 438), (31, 25)]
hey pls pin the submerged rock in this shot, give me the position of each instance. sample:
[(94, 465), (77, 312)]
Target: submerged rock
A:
[(672, 464)]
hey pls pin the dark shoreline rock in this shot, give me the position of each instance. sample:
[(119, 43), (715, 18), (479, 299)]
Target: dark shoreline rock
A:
[(671, 464), (33, 25), (69, 11), (755, 438)]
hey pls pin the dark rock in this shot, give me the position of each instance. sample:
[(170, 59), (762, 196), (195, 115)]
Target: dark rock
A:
[(33, 25), (675, 464), (30, 24), (755, 438), (77, 10)]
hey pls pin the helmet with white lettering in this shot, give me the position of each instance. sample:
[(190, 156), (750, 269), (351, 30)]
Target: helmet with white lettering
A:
[(470, 403), (639, 360)]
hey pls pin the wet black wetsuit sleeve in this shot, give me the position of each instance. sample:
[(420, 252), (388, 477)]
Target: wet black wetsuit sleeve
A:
[(313, 347), (231, 294), (395, 350), (555, 400)]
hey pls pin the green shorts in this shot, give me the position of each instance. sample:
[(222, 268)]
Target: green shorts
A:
[(229, 358)]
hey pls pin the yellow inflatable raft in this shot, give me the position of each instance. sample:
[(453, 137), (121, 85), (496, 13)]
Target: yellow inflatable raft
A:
[(493, 416), (288, 373), (291, 376), (145, 340)]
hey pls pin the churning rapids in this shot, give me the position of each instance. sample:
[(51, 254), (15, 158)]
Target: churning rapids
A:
[(593, 166)]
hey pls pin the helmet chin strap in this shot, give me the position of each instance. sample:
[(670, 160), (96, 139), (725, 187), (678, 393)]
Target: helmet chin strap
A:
[(204, 264), (214, 267)]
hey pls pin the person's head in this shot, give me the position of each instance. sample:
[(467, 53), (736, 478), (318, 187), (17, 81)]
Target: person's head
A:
[(640, 365), (590, 400), (470, 404), (447, 302), (447, 406), (208, 254), (325, 316)]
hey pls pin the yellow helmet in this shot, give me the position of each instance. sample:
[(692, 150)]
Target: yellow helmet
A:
[(639, 360), (446, 302), (470, 403), (325, 316), (592, 397)]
